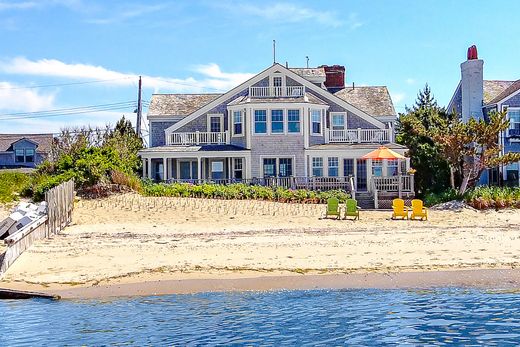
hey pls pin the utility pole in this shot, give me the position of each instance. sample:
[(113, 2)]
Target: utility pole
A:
[(139, 110)]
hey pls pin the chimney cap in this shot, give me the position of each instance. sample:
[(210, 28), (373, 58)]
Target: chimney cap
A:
[(472, 53)]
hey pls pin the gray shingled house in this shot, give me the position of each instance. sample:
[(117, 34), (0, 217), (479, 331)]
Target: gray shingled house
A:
[(24, 150), (293, 127), (475, 97)]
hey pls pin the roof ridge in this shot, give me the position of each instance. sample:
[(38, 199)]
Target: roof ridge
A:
[(187, 94)]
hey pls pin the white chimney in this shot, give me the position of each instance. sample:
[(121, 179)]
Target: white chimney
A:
[(472, 71)]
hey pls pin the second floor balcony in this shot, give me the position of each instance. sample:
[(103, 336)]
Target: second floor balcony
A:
[(277, 92), (197, 138), (360, 136)]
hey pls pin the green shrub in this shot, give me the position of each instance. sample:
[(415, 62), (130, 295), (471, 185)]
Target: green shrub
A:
[(493, 197), (12, 184), (240, 191), (431, 199)]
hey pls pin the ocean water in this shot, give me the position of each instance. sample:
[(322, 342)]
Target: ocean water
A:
[(292, 318)]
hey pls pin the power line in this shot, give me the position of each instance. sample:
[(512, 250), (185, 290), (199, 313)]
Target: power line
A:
[(64, 84), (123, 103), (71, 113)]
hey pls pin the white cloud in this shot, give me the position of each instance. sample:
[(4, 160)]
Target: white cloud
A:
[(24, 5), (410, 81), (129, 12), (353, 21), (398, 97), (213, 79), (23, 100), (284, 12)]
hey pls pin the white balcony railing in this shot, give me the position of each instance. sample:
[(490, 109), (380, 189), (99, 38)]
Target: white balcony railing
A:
[(360, 136), (197, 138), (277, 92)]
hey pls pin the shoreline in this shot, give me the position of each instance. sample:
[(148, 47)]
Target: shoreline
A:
[(493, 279)]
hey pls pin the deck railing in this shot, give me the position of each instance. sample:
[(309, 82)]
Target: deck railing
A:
[(311, 183), (197, 138), (392, 184), (275, 92), (360, 136)]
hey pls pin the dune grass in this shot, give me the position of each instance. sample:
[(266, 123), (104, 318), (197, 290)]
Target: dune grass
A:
[(11, 185)]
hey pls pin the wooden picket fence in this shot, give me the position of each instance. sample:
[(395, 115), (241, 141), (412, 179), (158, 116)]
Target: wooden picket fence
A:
[(60, 203)]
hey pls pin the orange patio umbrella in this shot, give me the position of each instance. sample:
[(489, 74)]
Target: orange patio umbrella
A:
[(382, 153)]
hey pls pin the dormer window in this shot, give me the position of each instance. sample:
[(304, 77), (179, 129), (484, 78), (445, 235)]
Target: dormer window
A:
[(277, 85)]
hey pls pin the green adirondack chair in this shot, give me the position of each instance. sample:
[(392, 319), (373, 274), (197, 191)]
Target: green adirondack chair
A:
[(333, 208), (352, 209)]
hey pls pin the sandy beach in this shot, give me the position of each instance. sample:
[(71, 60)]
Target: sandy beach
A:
[(133, 242)]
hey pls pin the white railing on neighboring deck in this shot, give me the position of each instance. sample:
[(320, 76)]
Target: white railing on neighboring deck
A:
[(197, 138), (360, 136), (276, 92)]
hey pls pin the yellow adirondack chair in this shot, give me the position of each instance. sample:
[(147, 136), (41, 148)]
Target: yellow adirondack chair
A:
[(400, 210), (418, 210), (333, 208)]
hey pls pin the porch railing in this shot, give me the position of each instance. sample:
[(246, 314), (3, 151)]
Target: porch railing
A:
[(360, 136), (393, 184), (311, 183), (197, 138), (274, 92)]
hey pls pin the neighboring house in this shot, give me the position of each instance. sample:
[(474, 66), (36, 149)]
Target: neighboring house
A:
[(287, 126), (24, 150), (476, 98)]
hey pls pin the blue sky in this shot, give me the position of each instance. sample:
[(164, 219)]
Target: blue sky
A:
[(209, 46)]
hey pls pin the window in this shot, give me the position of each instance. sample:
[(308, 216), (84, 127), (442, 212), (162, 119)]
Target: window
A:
[(377, 167), (317, 167), (270, 167), (237, 168), (361, 175), (514, 125), (277, 86), (217, 170), (215, 124), (338, 122), (237, 123), (276, 121), (293, 121), (29, 155), (348, 167), (285, 167), (333, 166), (316, 122), (260, 121), (392, 166), (19, 156)]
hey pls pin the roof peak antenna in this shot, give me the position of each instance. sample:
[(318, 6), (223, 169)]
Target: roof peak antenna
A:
[(307, 57), (274, 52)]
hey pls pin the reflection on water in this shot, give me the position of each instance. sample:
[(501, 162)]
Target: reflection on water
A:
[(308, 318)]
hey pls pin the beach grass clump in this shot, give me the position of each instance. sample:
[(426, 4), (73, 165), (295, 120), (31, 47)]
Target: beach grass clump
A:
[(12, 184), (240, 191), (493, 197)]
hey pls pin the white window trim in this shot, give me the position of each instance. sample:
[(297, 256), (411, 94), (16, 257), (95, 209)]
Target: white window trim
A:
[(345, 121), (284, 121), (267, 122), (321, 122), (277, 157), (301, 113), (507, 108), (337, 166), (242, 115), (208, 122), (323, 166)]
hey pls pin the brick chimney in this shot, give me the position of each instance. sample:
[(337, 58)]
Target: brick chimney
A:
[(334, 77)]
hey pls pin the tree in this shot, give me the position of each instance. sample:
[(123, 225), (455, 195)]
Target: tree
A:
[(472, 147), (413, 128)]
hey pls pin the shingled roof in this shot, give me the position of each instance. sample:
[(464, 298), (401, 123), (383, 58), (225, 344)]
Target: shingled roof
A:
[(44, 141), (513, 87), (308, 71), (374, 100), (494, 88), (178, 104)]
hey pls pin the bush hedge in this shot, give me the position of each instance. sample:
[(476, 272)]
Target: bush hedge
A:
[(493, 197), (239, 191)]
